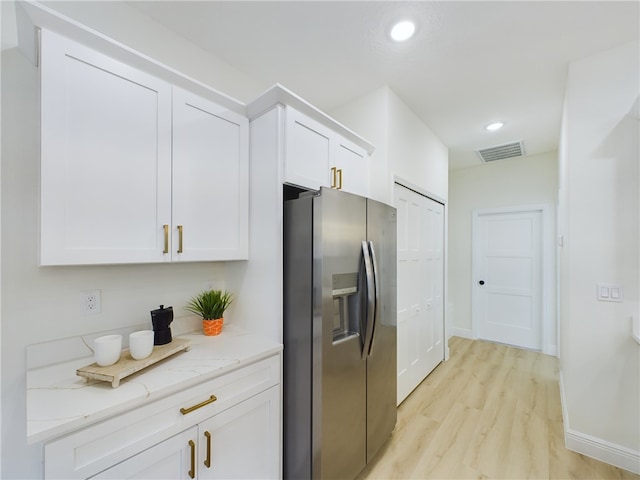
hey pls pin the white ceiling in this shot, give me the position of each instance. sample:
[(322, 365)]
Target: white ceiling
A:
[(471, 63)]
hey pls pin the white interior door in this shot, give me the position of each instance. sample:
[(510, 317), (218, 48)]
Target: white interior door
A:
[(420, 287), (507, 276)]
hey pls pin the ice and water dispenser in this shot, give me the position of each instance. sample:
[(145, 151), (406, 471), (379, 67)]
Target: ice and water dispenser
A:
[(348, 309)]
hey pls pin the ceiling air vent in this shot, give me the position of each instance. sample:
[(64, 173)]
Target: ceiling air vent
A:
[(500, 152)]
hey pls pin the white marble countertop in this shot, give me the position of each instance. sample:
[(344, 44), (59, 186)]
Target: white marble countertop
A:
[(59, 401)]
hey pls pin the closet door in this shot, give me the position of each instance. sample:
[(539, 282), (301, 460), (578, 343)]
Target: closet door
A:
[(420, 287), (105, 158)]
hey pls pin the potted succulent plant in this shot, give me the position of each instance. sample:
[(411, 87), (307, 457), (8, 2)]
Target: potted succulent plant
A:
[(210, 305)]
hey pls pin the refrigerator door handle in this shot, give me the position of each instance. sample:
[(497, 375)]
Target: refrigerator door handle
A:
[(371, 300), (376, 280)]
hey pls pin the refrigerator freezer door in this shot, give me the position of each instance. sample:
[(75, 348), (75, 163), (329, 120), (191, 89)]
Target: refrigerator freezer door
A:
[(339, 228), (382, 360)]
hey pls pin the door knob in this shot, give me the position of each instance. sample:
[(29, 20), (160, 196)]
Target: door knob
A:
[(481, 282)]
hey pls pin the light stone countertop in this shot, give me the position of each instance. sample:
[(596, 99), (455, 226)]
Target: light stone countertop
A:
[(59, 401)]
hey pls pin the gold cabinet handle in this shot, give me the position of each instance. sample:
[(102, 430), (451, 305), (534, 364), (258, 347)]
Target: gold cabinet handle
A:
[(333, 177), (209, 400), (207, 462), (179, 238), (192, 472), (340, 175), (166, 239)]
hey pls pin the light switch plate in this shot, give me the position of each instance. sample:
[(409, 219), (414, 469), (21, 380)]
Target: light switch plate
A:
[(608, 292)]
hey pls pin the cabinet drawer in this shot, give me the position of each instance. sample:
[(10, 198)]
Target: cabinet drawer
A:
[(93, 449)]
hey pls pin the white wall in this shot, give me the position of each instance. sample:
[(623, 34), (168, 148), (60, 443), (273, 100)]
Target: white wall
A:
[(600, 362), (529, 180), (405, 146), (415, 153), (41, 304), (367, 116)]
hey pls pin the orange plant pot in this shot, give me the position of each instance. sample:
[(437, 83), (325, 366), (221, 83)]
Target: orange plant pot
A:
[(212, 327)]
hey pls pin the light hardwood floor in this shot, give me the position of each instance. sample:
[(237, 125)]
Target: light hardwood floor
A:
[(490, 411)]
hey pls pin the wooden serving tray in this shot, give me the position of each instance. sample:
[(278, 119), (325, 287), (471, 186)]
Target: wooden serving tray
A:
[(128, 366)]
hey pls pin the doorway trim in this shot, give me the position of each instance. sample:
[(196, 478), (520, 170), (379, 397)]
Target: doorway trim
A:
[(547, 268)]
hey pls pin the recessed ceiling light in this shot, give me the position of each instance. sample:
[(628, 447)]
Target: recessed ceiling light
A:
[(403, 31), (492, 127)]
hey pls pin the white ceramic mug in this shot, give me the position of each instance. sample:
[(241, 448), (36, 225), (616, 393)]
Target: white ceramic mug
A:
[(107, 349), (141, 344)]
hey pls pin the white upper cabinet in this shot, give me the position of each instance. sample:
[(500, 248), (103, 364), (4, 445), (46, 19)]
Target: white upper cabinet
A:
[(105, 158), (126, 180), (351, 165), (318, 151), (210, 180), (307, 151), (317, 156)]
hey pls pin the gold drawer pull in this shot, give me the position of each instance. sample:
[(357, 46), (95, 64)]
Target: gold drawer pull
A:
[(211, 399), (207, 462), (192, 472), (333, 177)]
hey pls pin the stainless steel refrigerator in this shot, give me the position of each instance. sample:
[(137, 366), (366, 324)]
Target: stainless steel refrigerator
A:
[(339, 333)]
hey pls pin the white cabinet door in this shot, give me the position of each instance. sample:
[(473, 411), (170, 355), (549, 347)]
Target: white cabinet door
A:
[(316, 156), (240, 442), (307, 151), (170, 460), (210, 181), (106, 158), (243, 441), (352, 166)]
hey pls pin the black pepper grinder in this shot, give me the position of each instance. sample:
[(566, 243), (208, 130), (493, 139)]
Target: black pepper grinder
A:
[(161, 318)]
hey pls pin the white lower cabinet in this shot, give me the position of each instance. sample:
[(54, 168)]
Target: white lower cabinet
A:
[(240, 442), (227, 427), (168, 460)]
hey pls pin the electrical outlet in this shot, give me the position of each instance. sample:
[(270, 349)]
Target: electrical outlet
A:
[(91, 302)]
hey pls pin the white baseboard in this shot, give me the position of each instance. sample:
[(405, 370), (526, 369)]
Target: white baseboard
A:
[(594, 447), (463, 332)]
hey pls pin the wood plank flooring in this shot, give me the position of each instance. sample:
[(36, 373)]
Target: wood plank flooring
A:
[(491, 411)]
